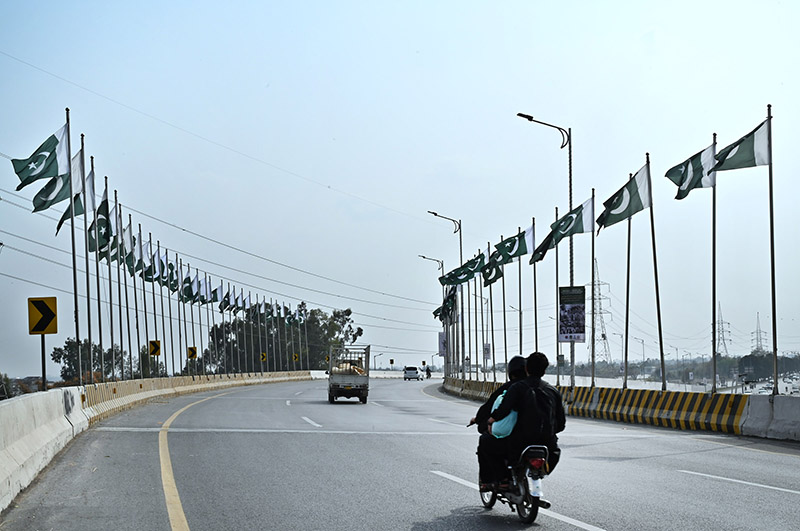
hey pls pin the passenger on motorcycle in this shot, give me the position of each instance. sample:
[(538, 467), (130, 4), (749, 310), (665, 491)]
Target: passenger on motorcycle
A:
[(491, 450), (550, 404)]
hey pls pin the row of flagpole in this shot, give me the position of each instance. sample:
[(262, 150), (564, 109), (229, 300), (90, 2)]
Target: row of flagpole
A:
[(108, 240), (699, 171)]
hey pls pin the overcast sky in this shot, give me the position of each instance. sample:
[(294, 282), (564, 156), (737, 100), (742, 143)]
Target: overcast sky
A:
[(310, 138)]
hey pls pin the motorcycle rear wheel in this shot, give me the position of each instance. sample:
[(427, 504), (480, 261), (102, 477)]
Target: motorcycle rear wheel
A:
[(528, 510), (489, 498)]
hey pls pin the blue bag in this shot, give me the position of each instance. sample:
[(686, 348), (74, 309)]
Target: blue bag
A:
[(502, 428)]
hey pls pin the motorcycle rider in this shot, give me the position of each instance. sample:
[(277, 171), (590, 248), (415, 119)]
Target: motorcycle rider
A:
[(540, 412), (491, 450)]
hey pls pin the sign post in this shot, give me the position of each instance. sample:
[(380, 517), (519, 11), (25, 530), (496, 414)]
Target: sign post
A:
[(43, 320)]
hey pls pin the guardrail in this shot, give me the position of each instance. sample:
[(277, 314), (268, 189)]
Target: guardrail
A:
[(35, 427), (771, 417)]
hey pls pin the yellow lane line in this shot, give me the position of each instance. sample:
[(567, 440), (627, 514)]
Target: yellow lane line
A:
[(177, 518)]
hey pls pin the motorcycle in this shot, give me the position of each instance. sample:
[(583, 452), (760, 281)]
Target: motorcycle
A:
[(524, 493)]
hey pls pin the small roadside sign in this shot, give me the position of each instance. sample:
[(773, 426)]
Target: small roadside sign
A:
[(42, 316), (155, 347), (192, 353)]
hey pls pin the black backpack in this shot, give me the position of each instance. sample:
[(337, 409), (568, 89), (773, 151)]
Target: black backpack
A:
[(545, 403)]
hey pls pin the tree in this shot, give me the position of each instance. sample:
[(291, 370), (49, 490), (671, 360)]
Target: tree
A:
[(6, 391)]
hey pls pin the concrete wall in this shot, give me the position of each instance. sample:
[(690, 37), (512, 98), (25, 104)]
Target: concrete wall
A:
[(754, 415), (35, 427)]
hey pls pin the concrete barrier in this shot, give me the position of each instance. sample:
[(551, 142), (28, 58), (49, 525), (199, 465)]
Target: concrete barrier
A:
[(35, 427), (758, 416)]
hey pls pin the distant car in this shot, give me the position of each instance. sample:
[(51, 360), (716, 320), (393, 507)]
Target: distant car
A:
[(411, 373)]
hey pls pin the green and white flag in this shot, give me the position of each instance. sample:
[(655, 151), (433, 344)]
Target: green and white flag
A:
[(628, 200), (105, 233), (694, 173), (492, 271), (750, 150), (225, 303), (511, 248), (576, 221), (48, 161), (464, 273)]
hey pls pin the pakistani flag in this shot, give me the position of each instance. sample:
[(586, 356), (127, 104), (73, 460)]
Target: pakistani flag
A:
[(464, 273), (102, 240), (77, 187), (225, 303), (693, 173), (188, 291), (628, 200), (511, 248), (47, 162), (492, 270), (750, 150), (577, 221)]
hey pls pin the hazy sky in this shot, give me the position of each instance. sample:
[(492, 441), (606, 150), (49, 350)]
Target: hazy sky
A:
[(313, 136)]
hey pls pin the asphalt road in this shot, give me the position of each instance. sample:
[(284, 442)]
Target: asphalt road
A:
[(279, 456)]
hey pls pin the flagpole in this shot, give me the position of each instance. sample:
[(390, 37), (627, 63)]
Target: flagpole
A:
[(655, 274), (162, 266), (86, 258), (144, 308), (169, 306), (110, 290), (155, 311), (274, 330), (120, 261), (227, 336), (127, 304), (74, 261), (772, 259), (593, 298), (178, 306), (199, 297), (491, 324), (627, 305), (519, 229), (714, 273), (235, 332), (191, 318), (97, 271), (505, 331), (558, 317), (308, 348), (535, 296), (260, 343), (136, 301), (209, 324)]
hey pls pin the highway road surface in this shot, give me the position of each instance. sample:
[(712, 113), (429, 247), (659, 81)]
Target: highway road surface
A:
[(278, 456)]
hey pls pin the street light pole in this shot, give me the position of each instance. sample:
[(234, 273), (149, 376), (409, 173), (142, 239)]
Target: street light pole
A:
[(566, 141), (375, 361), (457, 223), (642, 342)]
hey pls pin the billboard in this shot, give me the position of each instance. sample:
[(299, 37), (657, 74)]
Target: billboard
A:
[(572, 314)]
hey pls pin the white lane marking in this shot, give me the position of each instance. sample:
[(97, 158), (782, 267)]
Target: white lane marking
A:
[(311, 422), (288, 402), (740, 481), (298, 393), (448, 423), (266, 430), (546, 512), (377, 404)]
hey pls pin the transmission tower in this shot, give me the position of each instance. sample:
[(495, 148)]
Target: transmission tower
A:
[(758, 337), (604, 353), (722, 326)]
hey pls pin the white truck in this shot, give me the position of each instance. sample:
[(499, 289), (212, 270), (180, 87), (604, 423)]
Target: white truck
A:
[(348, 373)]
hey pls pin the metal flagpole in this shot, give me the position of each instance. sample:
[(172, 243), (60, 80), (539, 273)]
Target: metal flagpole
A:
[(252, 337), (479, 288), (144, 304), (120, 261), (261, 353), (209, 323), (478, 355), (125, 232), (627, 306), (558, 317), (82, 183), (226, 335), (96, 271), (593, 297), (714, 272), (503, 288), (276, 341), (163, 268), (155, 310), (772, 260), (216, 333), (178, 307), (136, 299), (110, 289), (243, 322), (182, 302), (238, 333), (169, 307), (535, 296), (74, 261), (491, 323), (288, 321), (191, 317), (655, 275), (519, 229), (199, 298), (308, 348)]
